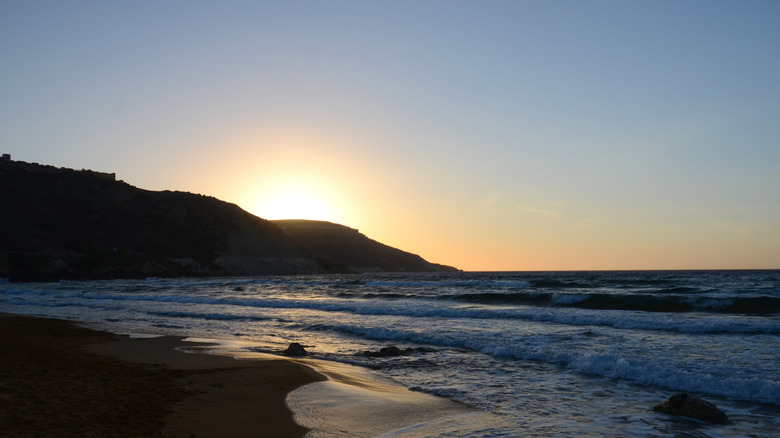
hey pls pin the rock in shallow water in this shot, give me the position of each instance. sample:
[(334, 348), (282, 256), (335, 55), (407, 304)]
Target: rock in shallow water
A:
[(295, 349), (392, 351), (688, 406)]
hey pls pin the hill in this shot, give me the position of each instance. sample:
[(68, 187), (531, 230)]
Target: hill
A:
[(339, 245), (59, 223)]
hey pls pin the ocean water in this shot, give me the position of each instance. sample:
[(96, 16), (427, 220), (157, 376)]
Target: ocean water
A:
[(549, 353)]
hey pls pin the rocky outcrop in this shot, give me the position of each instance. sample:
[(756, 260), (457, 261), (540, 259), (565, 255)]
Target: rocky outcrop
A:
[(337, 245), (686, 405)]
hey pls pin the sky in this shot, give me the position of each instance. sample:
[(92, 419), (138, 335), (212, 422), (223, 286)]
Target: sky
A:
[(486, 135)]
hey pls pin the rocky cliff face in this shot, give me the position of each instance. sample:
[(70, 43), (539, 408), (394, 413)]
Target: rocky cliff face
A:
[(338, 245), (60, 223)]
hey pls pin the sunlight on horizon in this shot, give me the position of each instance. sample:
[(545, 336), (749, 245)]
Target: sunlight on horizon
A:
[(294, 205)]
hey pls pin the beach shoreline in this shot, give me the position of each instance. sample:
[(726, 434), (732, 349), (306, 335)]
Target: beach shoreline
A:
[(555, 360), (356, 402), (62, 379)]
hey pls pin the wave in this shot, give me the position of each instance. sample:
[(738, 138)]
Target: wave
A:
[(748, 305), (613, 366), (560, 284), (663, 374), (500, 284), (209, 316), (567, 315)]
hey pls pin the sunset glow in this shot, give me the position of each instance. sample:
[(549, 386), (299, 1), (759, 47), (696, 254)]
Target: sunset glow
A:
[(527, 135), (294, 205)]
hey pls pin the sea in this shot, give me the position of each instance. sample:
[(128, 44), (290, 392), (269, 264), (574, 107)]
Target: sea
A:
[(565, 354)]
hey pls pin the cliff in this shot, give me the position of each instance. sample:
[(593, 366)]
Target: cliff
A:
[(58, 223), (338, 245)]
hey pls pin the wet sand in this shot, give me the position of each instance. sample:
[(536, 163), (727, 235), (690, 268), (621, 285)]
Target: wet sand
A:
[(354, 402), (62, 380)]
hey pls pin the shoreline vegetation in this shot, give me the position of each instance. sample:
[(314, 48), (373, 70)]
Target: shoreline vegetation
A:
[(61, 379)]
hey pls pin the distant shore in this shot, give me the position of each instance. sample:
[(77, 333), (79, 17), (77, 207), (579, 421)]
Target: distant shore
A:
[(63, 380)]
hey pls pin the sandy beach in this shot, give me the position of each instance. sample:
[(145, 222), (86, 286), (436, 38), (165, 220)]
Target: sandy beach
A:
[(63, 380)]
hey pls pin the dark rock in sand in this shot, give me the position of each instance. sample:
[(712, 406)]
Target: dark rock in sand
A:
[(296, 350), (686, 405)]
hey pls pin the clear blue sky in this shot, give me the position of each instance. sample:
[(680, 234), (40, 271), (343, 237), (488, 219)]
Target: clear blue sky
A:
[(482, 134)]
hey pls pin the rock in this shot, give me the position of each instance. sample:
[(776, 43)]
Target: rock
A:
[(392, 351), (688, 406), (296, 350)]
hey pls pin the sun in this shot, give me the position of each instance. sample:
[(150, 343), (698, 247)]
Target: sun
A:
[(294, 205)]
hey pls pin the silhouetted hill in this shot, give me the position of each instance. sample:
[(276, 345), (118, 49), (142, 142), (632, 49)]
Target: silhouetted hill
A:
[(62, 223), (58, 223), (344, 246)]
